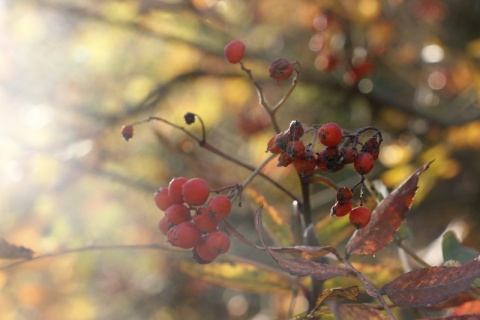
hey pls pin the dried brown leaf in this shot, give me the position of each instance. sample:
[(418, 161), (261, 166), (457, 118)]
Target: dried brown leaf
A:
[(308, 252), (428, 286), (360, 312), (11, 251), (386, 218)]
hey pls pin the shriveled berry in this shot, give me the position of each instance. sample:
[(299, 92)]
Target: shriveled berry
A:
[(202, 253), (161, 198), (360, 217), (341, 208), (195, 192), (330, 134), (284, 160), (363, 163), (127, 132), (295, 130), (306, 164), (282, 139), (295, 148), (164, 225), (219, 206), (175, 189), (204, 221), (184, 235), (281, 69), (234, 51), (177, 213), (344, 194), (372, 146), (327, 162), (272, 146), (189, 117), (217, 242), (348, 155)]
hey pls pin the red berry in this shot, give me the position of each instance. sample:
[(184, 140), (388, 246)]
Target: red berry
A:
[(282, 139), (217, 241), (372, 146), (360, 217), (177, 213), (205, 221), (272, 146), (344, 194), (330, 134), (363, 163), (219, 206), (234, 51), (175, 189), (164, 225), (348, 155), (341, 208), (127, 132), (305, 165), (284, 160), (195, 192), (202, 253), (281, 69), (161, 198), (295, 148), (184, 235)]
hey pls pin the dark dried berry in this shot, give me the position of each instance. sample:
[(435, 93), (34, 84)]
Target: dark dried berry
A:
[(189, 118), (127, 132), (296, 129), (281, 69)]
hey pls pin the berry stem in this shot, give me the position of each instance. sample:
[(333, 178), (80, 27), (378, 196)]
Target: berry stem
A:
[(204, 144), (289, 92)]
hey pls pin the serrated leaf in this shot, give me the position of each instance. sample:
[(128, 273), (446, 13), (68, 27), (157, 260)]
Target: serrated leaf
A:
[(386, 218), (453, 249), (299, 266), (277, 228), (429, 286), (11, 251), (242, 275)]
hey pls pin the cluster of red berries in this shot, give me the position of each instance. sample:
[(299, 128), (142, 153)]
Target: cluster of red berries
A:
[(280, 69), (191, 220), (341, 148), (359, 216)]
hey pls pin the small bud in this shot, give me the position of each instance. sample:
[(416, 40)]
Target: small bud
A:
[(281, 69)]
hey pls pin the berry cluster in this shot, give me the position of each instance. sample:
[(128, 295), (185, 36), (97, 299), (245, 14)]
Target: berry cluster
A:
[(359, 216), (190, 221), (341, 148)]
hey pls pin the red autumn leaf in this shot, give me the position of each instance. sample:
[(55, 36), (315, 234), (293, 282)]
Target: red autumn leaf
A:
[(300, 266), (428, 286), (360, 312), (386, 218)]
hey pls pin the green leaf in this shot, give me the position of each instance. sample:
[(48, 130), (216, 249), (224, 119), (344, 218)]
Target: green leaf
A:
[(453, 249), (237, 273)]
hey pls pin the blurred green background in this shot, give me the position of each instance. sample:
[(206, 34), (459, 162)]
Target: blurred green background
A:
[(73, 72)]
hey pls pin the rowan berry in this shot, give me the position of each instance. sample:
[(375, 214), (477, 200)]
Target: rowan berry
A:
[(306, 164), (217, 241), (127, 132), (177, 213), (189, 118), (184, 235), (219, 206), (204, 221), (295, 130), (344, 194), (202, 253), (327, 163), (284, 160), (272, 146), (360, 217), (348, 155), (195, 192), (234, 51), (363, 163), (175, 189), (282, 139), (281, 69), (164, 225), (372, 146), (341, 208), (330, 134), (295, 148), (161, 198)]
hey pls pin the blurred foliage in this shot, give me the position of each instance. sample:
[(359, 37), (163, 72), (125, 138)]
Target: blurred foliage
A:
[(72, 72)]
